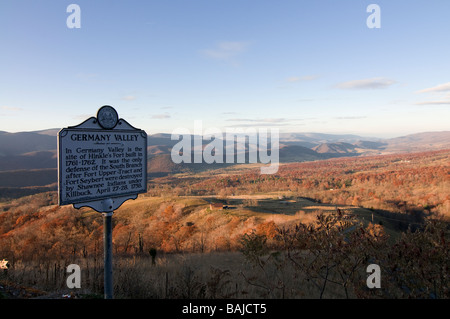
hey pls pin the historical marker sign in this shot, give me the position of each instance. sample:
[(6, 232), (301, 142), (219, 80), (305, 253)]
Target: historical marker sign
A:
[(102, 158), (102, 163)]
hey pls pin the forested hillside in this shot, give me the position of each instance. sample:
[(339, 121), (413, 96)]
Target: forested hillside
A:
[(413, 184), (393, 208)]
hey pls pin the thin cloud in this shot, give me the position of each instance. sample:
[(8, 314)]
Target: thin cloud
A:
[(293, 79), (128, 98), (366, 84), (10, 108), (439, 88), (267, 120), (260, 124), (161, 116), (304, 100), (433, 103), (350, 118), (226, 51), (241, 120)]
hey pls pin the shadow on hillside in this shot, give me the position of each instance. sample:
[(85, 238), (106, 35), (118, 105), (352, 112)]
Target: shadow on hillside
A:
[(413, 218), (407, 218)]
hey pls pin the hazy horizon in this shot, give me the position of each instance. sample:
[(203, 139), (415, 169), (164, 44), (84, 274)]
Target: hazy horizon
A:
[(379, 136)]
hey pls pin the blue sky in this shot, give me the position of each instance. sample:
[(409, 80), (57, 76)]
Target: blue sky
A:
[(300, 66)]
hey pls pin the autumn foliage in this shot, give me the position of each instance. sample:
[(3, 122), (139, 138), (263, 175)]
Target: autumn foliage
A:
[(414, 184), (332, 255), (328, 254)]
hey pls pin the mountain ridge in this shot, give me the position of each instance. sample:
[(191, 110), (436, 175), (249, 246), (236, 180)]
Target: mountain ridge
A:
[(37, 149)]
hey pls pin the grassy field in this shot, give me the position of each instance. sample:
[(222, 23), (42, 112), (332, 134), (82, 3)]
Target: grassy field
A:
[(284, 208)]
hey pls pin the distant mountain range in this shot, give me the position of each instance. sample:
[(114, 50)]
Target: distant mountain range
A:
[(37, 150)]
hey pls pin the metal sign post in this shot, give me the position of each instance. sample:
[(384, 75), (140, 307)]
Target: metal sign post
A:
[(107, 251), (107, 247), (102, 162)]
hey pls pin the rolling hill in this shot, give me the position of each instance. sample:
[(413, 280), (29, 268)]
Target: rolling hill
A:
[(37, 150), (426, 141), (13, 144), (336, 148)]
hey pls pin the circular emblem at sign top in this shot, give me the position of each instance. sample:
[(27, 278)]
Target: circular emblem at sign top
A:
[(107, 117)]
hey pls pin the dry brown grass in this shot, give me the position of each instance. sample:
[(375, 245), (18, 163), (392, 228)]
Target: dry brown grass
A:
[(212, 275)]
